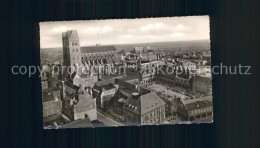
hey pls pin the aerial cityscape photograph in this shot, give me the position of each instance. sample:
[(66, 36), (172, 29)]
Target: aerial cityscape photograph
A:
[(126, 72)]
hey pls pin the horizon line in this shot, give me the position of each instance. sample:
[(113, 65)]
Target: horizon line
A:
[(132, 43)]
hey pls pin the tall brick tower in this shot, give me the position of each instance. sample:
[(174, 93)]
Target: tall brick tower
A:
[(71, 49)]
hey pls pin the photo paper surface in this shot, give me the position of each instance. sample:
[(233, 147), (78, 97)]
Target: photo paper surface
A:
[(126, 72)]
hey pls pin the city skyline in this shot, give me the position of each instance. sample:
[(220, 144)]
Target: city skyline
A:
[(127, 31)]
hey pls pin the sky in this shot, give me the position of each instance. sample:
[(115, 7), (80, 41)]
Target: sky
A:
[(127, 31)]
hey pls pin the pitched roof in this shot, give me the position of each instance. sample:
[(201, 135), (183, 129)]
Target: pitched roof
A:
[(198, 105), (95, 49), (145, 103)]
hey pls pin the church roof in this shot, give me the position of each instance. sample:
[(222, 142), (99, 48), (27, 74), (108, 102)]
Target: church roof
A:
[(95, 49)]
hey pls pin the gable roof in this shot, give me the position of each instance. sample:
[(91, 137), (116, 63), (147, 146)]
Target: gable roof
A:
[(95, 49), (149, 100)]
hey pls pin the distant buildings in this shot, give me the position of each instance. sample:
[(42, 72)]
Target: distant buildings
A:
[(92, 80), (201, 85), (144, 71), (174, 77)]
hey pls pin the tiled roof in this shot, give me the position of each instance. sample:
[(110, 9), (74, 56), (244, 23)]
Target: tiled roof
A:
[(145, 103), (95, 49), (198, 105)]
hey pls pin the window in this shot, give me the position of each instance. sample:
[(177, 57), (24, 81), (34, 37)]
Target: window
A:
[(77, 50)]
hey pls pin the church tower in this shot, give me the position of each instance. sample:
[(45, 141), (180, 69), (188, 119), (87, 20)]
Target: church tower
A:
[(71, 49)]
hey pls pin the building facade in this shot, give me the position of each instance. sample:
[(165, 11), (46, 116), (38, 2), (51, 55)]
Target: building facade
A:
[(77, 103), (52, 104), (201, 85), (197, 110), (144, 109), (103, 92)]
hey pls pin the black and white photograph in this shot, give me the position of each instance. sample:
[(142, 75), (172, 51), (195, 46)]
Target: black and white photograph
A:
[(126, 72)]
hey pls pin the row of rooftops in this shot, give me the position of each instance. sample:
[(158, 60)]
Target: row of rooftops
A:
[(141, 101)]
